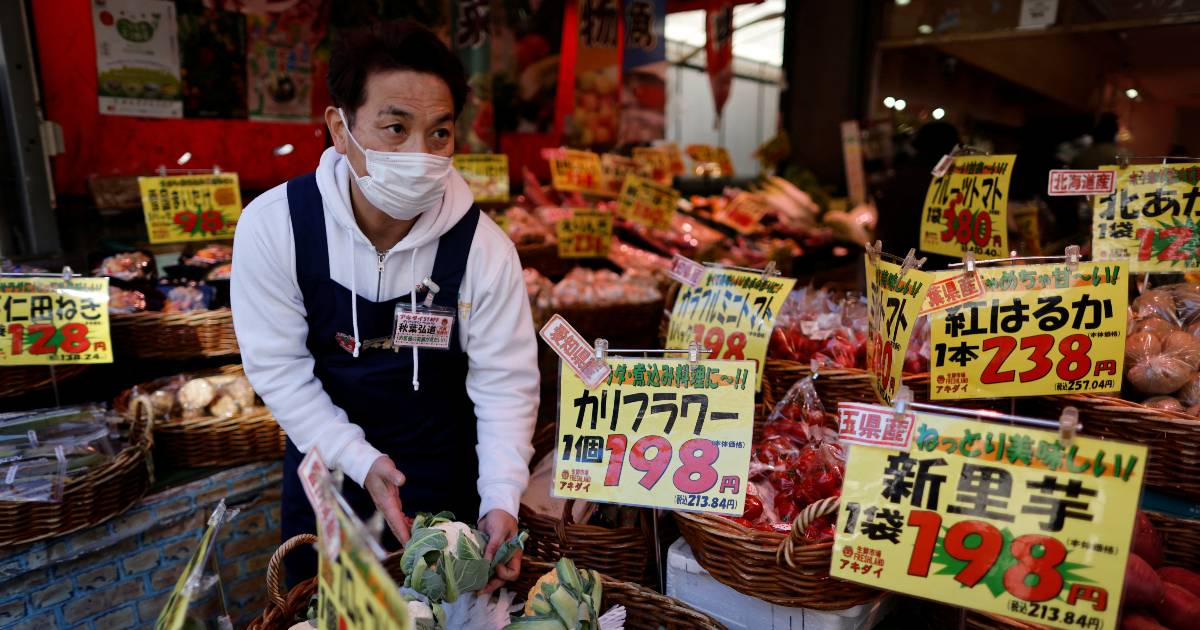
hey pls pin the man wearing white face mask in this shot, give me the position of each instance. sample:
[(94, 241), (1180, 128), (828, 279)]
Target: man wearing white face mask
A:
[(383, 238)]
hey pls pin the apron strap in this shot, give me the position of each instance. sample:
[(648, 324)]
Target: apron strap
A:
[(308, 232), (450, 263)]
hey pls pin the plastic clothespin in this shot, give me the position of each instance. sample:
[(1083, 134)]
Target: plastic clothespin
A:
[(874, 250), (216, 169), (815, 367), (969, 261), (1123, 160), (693, 352), (901, 400), (1072, 255), (1068, 425), (431, 288), (911, 262), (770, 271), (67, 273), (601, 349)]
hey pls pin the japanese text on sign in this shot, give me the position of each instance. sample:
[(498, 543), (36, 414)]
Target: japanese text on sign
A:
[(663, 433), (706, 156), (654, 163), (645, 202), (615, 168), (685, 270), (575, 351), (190, 207), (1066, 182), (742, 213), (871, 425), (894, 300), (576, 171), (966, 209), (1040, 329), (486, 175), (1002, 519), (1150, 221), (951, 288), (585, 234), (51, 320), (731, 313)]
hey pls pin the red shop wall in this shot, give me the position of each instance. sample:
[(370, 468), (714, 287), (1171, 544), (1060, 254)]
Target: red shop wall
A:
[(122, 145)]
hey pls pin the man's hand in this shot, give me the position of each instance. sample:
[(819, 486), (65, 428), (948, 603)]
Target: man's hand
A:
[(500, 526), (383, 483)]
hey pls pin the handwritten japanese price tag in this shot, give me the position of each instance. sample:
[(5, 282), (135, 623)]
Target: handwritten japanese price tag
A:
[(1039, 330), (355, 591), (576, 171), (486, 175), (655, 163), (731, 313), (662, 433), (704, 155), (174, 613), (615, 168), (1149, 220), (743, 213), (966, 209), (997, 518), (676, 156), (585, 234), (894, 300), (50, 320), (314, 478), (1067, 182), (951, 288), (191, 207), (648, 203)]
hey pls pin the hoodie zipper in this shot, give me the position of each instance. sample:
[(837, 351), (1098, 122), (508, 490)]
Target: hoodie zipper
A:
[(379, 283)]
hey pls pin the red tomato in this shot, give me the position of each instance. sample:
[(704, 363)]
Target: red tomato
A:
[(754, 508)]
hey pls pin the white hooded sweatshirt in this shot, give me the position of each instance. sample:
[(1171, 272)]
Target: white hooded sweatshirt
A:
[(496, 330)]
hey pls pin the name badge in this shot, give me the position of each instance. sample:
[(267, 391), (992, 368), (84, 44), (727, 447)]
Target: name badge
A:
[(425, 327)]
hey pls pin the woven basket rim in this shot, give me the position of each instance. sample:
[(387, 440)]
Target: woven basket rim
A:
[(1113, 404), (195, 318)]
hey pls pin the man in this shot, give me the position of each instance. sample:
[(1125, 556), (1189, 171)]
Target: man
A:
[(327, 265)]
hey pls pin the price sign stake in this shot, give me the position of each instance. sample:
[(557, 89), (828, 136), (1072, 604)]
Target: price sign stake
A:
[(576, 171), (585, 234), (966, 208), (665, 433), (647, 202), (998, 518)]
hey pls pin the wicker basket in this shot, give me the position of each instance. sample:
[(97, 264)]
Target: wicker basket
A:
[(623, 553), (89, 498), (780, 569), (835, 384), (155, 335), (1181, 539), (644, 608), (1173, 438), (253, 436), (22, 379), (983, 621), (544, 258)]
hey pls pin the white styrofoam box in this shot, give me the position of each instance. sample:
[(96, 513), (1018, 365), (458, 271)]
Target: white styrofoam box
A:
[(688, 582)]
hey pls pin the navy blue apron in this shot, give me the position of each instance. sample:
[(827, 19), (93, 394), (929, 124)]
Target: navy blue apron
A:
[(430, 434)]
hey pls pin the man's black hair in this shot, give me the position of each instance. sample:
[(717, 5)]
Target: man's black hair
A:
[(383, 46)]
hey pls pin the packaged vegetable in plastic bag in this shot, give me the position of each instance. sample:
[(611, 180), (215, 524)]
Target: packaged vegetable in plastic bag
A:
[(34, 480)]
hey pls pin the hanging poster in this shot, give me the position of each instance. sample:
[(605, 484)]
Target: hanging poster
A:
[(212, 45), (279, 62), (894, 299), (1149, 220), (593, 120), (137, 58), (966, 208), (644, 72), (718, 49), (475, 131)]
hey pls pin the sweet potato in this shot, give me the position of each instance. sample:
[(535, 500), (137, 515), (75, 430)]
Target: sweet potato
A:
[(1146, 541), (1181, 577), (1140, 621), (1143, 587), (1180, 610)]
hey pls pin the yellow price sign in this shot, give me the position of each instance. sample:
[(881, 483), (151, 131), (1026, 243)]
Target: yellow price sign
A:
[(707, 155), (997, 518), (1026, 217), (615, 169), (743, 213), (174, 613), (585, 234), (895, 297), (191, 207), (49, 320), (731, 313), (1037, 330), (576, 171), (664, 433), (1148, 221), (655, 163), (676, 156), (486, 175), (966, 209), (647, 202)]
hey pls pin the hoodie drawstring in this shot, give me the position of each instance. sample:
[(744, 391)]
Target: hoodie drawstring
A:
[(416, 382), (353, 290)]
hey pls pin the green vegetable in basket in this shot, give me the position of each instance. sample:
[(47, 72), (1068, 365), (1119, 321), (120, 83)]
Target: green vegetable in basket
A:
[(444, 558), (425, 616), (563, 599)]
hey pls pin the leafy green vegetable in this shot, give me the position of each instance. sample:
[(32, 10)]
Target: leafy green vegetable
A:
[(444, 558)]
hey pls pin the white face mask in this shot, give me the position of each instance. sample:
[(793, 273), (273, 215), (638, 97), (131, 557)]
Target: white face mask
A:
[(401, 185)]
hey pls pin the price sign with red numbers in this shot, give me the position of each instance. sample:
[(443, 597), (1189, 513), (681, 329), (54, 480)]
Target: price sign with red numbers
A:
[(707, 157), (664, 433), (615, 168), (743, 213), (1150, 221), (49, 320), (654, 163), (585, 234), (894, 300), (997, 518), (731, 313), (1037, 330), (191, 207), (647, 202), (576, 171), (966, 208)]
